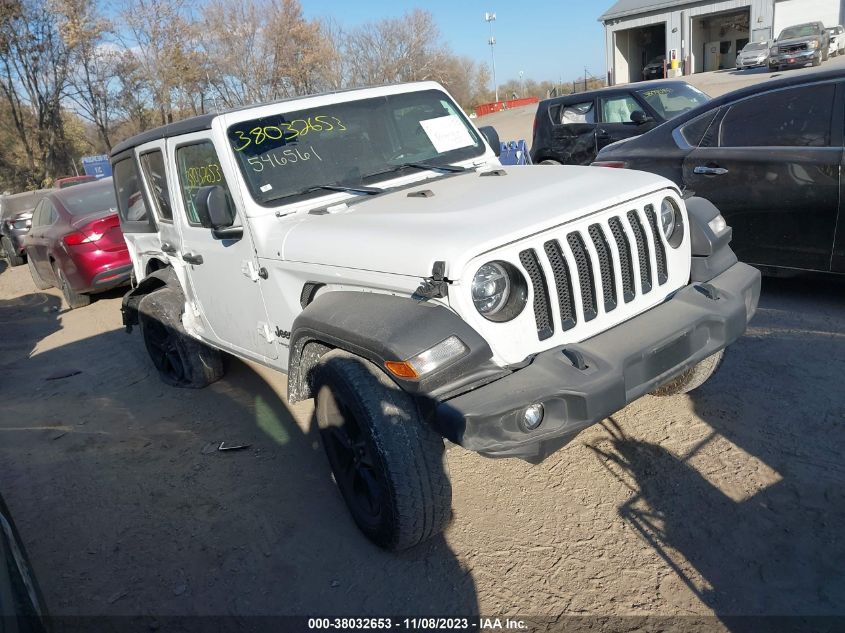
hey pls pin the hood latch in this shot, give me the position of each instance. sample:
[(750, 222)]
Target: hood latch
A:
[(434, 287)]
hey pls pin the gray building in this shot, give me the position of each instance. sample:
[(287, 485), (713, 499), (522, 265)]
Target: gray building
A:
[(700, 35)]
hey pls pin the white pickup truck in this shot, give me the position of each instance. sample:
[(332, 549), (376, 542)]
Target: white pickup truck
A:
[(369, 244)]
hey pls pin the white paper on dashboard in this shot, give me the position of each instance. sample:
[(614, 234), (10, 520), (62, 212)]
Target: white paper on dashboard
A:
[(447, 133)]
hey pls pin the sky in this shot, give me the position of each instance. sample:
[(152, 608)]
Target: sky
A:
[(545, 39)]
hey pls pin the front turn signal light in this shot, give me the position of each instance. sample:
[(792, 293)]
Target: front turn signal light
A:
[(426, 362)]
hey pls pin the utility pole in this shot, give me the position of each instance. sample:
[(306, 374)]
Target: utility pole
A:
[(521, 85), (585, 79), (490, 18)]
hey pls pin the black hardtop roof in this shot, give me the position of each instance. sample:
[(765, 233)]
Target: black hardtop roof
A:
[(203, 122), (574, 97)]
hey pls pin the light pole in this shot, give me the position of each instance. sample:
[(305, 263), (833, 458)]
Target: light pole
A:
[(521, 85), (490, 18)]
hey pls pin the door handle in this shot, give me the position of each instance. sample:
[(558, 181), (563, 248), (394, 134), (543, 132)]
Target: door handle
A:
[(602, 134), (168, 248), (709, 171), (192, 258)]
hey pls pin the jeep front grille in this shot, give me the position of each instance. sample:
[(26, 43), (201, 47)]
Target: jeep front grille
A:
[(631, 258)]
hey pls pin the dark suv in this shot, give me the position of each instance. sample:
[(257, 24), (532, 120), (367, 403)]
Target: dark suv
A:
[(800, 45), (570, 130)]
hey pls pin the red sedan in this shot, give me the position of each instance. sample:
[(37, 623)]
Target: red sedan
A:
[(76, 244)]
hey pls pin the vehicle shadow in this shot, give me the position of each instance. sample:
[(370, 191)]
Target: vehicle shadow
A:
[(776, 412), (155, 519)]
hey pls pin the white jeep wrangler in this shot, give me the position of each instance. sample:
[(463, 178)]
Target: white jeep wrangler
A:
[(369, 244)]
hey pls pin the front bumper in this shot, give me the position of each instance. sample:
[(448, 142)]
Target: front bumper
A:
[(750, 62), (794, 59), (622, 364)]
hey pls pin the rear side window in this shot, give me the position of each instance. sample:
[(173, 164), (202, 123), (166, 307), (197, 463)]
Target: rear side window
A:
[(130, 200), (153, 165), (796, 117), (199, 166), (694, 131), (578, 113)]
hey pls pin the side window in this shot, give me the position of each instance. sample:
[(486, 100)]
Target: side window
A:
[(153, 165), (198, 166), (578, 113), (796, 117), (37, 213), (52, 214), (618, 109), (694, 131), (130, 200)]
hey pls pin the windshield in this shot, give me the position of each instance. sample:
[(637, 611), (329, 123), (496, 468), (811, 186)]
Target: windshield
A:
[(286, 156), (802, 30), (89, 198), (670, 101), (755, 46)]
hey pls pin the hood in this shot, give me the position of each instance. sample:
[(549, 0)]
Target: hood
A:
[(461, 217), (763, 52), (799, 40)]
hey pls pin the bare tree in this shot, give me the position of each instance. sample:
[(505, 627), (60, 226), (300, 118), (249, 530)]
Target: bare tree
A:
[(93, 79), (34, 62)]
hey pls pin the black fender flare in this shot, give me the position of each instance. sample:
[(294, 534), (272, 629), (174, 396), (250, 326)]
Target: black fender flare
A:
[(382, 327), (155, 280), (711, 253)]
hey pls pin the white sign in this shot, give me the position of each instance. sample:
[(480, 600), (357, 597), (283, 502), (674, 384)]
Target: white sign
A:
[(447, 133)]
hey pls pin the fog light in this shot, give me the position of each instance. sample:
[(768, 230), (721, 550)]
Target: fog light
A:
[(532, 416)]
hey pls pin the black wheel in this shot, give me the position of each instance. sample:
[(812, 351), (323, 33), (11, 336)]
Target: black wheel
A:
[(693, 377), (388, 463), (181, 360), (73, 299), (36, 278), (825, 54), (11, 256)]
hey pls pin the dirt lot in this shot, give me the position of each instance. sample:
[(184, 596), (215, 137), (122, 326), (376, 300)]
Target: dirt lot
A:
[(730, 501)]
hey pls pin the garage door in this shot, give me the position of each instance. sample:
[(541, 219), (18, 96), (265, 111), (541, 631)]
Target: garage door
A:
[(789, 12)]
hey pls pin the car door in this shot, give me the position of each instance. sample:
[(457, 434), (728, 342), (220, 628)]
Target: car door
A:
[(151, 158), (44, 238), (615, 119), (223, 274), (773, 171), (574, 132), (34, 242)]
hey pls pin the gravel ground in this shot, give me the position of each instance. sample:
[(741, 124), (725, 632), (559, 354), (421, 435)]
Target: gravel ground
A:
[(730, 501)]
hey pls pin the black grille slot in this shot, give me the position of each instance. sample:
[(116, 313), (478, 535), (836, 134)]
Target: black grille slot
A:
[(642, 250), (585, 275), (608, 279), (624, 248), (659, 249), (563, 283), (542, 307)]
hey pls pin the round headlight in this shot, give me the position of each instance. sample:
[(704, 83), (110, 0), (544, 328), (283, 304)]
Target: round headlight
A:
[(498, 291), (667, 217), (671, 222)]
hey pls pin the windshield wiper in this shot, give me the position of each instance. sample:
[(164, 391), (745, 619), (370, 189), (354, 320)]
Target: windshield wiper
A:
[(345, 188), (446, 168)]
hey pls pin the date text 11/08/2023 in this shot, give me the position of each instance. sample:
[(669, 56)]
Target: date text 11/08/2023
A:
[(418, 624)]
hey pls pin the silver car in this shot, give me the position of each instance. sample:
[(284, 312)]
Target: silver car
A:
[(753, 54)]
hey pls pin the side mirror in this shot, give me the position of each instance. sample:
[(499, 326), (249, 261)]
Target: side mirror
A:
[(492, 137), (215, 211), (639, 117)]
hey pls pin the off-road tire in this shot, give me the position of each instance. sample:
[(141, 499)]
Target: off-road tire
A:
[(36, 277), (402, 460), (73, 299), (693, 377), (13, 258), (181, 360)]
